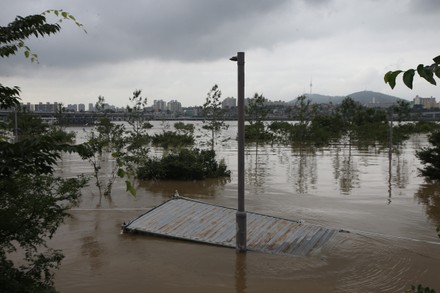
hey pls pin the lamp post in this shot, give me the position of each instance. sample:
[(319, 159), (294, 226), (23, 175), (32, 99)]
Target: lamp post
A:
[(241, 234)]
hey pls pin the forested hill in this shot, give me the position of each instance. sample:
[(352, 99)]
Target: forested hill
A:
[(363, 97)]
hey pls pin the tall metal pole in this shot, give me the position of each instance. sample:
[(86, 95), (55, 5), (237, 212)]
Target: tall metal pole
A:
[(241, 234)]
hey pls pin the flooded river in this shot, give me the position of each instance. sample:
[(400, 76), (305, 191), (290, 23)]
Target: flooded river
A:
[(390, 212)]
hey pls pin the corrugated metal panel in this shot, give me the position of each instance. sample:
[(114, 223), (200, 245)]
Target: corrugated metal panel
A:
[(188, 219)]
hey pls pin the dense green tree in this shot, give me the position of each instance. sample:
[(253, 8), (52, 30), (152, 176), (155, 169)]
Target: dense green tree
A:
[(33, 201), (430, 157)]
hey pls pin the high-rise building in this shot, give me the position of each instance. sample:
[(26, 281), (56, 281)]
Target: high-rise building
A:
[(174, 106), (81, 107), (159, 105), (46, 108), (28, 107), (91, 107), (229, 103), (72, 108)]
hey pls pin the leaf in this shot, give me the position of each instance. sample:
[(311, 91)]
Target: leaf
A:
[(437, 59), (437, 72), (64, 14), (408, 78), (26, 54), (390, 77), (130, 188), (426, 73)]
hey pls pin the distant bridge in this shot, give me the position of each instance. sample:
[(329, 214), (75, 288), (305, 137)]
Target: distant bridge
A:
[(89, 118)]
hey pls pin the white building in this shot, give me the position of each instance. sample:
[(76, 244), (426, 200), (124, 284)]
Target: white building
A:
[(174, 106), (426, 103), (159, 105)]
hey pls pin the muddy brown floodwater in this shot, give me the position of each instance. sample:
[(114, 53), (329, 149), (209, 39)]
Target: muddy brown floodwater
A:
[(392, 216)]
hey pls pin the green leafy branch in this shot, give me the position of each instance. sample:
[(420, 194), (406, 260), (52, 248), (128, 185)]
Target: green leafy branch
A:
[(64, 15), (13, 36), (425, 71)]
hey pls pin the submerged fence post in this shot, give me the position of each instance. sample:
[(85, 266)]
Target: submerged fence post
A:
[(241, 234)]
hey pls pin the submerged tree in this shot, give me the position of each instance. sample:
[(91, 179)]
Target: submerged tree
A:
[(105, 150), (138, 138), (214, 115), (257, 112), (257, 109), (301, 113)]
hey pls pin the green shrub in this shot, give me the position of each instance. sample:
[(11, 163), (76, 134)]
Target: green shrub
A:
[(186, 128), (169, 139), (186, 164)]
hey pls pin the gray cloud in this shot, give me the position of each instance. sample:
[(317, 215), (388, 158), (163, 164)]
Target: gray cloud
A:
[(184, 30), (425, 6), (332, 40)]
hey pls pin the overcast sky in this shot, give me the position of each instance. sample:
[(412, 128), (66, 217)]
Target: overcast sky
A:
[(178, 49)]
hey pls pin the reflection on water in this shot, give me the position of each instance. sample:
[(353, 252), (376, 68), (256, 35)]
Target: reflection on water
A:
[(91, 249), (345, 170), (303, 169), (429, 196), (257, 165), (197, 188), (240, 273)]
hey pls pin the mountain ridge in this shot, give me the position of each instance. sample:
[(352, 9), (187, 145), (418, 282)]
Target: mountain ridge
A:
[(363, 97)]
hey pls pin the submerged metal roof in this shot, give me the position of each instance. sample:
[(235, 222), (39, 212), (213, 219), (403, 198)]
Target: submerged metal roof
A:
[(192, 220)]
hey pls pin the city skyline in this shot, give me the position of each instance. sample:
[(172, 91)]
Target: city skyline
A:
[(226, 103), (182, 48)]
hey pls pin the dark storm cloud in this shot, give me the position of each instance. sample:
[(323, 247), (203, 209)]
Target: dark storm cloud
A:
[(425, 6), (174, 30), (182, 30)]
